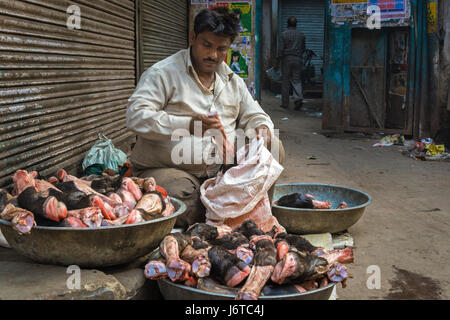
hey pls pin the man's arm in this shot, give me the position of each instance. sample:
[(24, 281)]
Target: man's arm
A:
[(145, 113), (251, 115)]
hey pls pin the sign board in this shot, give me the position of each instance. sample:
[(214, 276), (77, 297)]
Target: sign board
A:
[(391, 9)]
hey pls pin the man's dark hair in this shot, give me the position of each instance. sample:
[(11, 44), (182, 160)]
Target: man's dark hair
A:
[(292, 22), (219, 21)]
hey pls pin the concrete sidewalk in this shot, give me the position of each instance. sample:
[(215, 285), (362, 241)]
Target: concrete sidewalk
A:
[(406, 229), (23, 279)]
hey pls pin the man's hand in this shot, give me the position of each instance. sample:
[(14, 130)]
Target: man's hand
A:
[(206, 122), (264, 132)]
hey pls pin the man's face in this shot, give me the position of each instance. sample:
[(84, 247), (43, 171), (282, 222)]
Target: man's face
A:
[(209, 51)]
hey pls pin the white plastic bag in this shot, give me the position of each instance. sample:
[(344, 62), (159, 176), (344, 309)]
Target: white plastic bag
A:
[(104, 153), (241, 192)]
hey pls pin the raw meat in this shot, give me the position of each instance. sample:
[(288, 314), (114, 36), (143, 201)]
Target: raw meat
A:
[(22, 220), (226, 267), (155, 270), (249, 228), (298, 267), (170, 248), (230, 241), (46, 207), (337, 255), (298, 242), (305, 201), (147, 184), (338, 273), (245, 254), (169, 210), (115, 197), (151, 205), (72, 222), (296, 200), (92, 216), (203, 231), (225, 148), (83, 186), (134, 217), (105, 183), (127, 198), (118, 222), (343, 205), (23, 180), (265, 259), (129, 185), (73, 200)]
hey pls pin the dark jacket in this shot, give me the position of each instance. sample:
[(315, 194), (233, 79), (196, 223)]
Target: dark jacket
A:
[(292, 42)]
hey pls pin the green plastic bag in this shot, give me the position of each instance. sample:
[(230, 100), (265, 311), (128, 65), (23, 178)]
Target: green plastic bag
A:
[(104, 154)]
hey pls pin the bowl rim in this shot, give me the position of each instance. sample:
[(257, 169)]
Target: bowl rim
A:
[(223, 295), (181, 209), (368, 202)]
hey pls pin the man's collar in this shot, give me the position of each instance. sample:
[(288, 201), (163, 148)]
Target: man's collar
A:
[(223, 70)]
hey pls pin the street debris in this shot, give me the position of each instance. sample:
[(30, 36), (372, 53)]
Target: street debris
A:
[(424, 150), (427, 150), (388, 141)]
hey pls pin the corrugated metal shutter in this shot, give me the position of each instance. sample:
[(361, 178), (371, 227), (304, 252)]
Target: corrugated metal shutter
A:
[(310, 15), (59, 87), (164, 29)]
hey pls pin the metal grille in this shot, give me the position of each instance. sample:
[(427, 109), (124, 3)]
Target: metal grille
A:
[(164, 29), (310, 15), (60, 87)]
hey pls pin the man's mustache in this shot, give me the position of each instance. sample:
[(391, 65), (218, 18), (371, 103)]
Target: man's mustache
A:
[(210, 60)]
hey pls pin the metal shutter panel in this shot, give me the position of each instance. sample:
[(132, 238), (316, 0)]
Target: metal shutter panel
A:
[(60, 87), (310, 15), (164, 29)]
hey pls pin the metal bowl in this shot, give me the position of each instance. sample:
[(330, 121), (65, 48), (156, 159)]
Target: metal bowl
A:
[(310, 221), (92, 247), (175, 291)]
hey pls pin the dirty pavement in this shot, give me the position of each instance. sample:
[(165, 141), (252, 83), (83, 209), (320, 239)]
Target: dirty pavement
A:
[(404, 231)]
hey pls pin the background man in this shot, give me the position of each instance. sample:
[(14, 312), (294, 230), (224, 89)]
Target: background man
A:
[(181, 90), (292, 46)]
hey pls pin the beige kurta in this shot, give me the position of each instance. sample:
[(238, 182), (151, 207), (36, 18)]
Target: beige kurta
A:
[(168, 95)]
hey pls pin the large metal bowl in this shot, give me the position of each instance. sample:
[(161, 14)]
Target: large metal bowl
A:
[(310, 221), (175, 291), (92, 247)]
